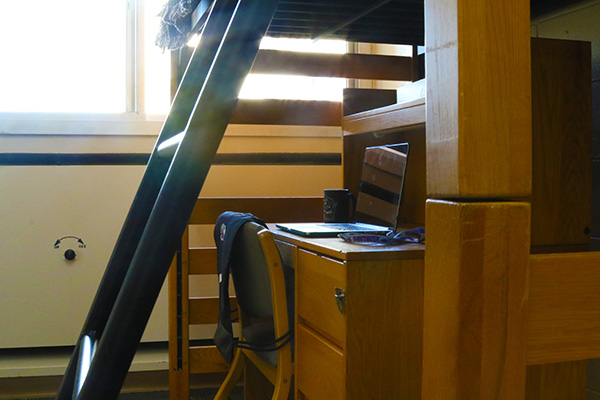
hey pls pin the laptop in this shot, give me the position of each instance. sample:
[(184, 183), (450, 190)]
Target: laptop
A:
[(378, 200)]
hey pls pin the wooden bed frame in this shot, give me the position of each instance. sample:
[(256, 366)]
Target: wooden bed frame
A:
[(511, 301)]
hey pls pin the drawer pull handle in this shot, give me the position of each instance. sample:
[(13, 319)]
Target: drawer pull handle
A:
[(340, 299)]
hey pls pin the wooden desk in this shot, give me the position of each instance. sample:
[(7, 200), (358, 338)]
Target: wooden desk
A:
[(366, 343)]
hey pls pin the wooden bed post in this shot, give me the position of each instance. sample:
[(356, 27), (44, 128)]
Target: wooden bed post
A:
[(478, 147), (478, 99), (474, 339)]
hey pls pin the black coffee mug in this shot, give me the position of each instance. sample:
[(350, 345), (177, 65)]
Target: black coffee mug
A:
[(338, 205)]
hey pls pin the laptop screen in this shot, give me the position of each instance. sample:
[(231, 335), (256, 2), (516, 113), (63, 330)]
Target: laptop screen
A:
[(381, 183)]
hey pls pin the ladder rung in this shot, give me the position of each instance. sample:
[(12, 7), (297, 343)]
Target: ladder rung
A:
[(169, 146)]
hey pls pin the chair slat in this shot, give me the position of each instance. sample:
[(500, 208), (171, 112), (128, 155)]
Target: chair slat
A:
[(203, 260), (205, 310), (206, 359)]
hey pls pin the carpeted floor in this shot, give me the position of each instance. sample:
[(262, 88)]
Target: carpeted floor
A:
[(195, 394)]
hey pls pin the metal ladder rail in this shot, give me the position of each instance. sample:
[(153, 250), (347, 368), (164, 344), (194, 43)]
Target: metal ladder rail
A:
[(148, 190), (165, 199)]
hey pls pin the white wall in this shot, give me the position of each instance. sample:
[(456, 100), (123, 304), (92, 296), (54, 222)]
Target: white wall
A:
[(45, 297)]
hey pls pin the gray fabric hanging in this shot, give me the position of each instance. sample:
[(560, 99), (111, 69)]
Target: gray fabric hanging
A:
[(175, 24)]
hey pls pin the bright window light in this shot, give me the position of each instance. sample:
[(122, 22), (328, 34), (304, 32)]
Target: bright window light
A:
[(83, 56), (63, 56), (258, 86), (307, 45), (157, 63), (80, 57)]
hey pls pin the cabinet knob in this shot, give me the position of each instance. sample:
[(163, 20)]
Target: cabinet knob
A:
[(340, 299), (70, 254)]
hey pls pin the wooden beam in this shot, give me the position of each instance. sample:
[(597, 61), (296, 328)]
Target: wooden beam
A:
[(287, 112), (407, 115), (564, 307), (562, 140), (478, 98), (351, 66), (205, 310), (558, 381), (475, 308), (289, 209)]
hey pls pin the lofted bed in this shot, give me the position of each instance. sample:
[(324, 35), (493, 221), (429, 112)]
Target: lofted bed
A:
[(551, 373)]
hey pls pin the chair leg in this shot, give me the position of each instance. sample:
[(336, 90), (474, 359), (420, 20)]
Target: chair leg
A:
[(232, 378), (282, 388), (283, 380)]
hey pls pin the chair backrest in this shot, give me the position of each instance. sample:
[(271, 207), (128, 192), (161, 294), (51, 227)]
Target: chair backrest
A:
[(251, 277), (250, 273)]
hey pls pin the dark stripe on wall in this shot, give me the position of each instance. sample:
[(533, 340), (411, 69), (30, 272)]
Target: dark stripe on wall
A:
[(48, 159), (278, 159), (73, 159)]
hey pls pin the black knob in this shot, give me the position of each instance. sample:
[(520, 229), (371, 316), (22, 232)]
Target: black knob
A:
[(70, 254)]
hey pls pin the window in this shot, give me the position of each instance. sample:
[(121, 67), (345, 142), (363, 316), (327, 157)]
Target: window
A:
[(63, 57), (73, 62), (89, 67)]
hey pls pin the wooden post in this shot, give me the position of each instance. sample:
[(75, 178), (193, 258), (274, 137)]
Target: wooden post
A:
[(179, 343), (475, 310), (478, 147), (478, 98)]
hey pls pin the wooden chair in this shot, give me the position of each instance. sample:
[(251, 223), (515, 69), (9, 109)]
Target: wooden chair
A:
[(260, 287), (186, 311)]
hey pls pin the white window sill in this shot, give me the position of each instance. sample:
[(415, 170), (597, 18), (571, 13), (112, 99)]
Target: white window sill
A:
[(79, 124)]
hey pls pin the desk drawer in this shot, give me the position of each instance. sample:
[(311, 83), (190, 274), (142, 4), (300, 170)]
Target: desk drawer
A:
[(320, 372), (317, 279)]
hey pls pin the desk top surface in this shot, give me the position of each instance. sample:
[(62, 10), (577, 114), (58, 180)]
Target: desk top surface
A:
[(337, 248)]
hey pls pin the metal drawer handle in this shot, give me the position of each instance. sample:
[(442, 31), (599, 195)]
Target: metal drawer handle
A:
[(340, 299)]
